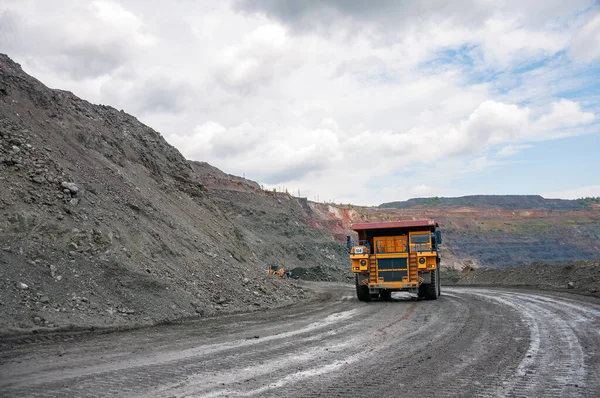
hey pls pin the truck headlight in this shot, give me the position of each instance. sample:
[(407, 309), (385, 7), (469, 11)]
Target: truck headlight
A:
[(422, 260), (363, 262)]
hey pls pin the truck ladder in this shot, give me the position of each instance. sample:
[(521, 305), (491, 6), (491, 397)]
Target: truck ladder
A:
[(412, 267), (372, 270)]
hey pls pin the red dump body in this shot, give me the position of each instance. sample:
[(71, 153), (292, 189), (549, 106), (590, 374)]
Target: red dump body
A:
[(394, 224)]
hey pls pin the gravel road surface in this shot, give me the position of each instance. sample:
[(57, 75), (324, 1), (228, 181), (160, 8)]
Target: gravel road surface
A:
[(471, 342)]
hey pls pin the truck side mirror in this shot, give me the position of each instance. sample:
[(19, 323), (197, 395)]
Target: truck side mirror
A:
[(438, 237)]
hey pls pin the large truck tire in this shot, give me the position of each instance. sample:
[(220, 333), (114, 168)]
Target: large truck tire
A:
[(439, 279), (362, 291), (431, 291), (385, 294)]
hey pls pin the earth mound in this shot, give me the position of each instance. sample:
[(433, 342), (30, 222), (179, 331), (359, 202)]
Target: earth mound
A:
[(104, 224)]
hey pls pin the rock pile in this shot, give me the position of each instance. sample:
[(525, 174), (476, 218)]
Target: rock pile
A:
[(576, 276), (103, 223)]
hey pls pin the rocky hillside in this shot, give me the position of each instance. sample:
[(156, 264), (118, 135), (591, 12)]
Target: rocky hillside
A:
[(479, 231), (506, 230), (489, 235), (105, 224)]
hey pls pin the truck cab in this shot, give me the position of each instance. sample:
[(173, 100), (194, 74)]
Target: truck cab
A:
[(396, 256)]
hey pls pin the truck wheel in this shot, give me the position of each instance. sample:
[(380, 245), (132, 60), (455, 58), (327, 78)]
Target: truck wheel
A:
[(439, 279), (430, 291), (362, 291), (385, 294), (421, 291)]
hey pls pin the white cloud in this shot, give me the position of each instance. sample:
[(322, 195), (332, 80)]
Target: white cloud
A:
[(511, 150), (585, 46), (421, 190), (565, 113), (505, 41), (197, 145), (312, 95), (82, 41), (489, 125), (493, 122), (270, 156), (256, 60), (574, 193)]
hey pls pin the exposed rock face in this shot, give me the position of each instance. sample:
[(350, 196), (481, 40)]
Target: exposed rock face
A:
[(489, 235), (108, 224), (506, 230)]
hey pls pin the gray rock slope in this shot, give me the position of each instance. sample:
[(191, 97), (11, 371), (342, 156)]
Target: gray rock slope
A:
[(105, 224)]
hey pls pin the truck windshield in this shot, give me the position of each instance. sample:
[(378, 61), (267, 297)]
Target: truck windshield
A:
[(419, 239)]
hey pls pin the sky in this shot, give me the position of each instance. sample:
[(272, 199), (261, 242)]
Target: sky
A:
[(343, 101)]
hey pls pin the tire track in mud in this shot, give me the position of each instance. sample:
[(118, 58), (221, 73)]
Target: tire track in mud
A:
[(555, 362), (470, 342), (139, 373), (440, 351)]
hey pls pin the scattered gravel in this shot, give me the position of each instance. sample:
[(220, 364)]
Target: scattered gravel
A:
[(104, 224), (576, 276)]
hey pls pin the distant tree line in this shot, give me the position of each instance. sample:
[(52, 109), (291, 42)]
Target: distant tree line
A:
[(590, 200)]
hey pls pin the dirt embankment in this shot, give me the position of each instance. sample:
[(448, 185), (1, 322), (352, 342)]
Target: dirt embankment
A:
[(581, 277), (106, 224)]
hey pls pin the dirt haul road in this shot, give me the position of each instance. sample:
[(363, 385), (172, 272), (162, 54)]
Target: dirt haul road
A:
[(471, 342)]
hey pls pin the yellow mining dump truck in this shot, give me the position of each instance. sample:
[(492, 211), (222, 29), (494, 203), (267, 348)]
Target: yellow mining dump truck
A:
[(396, 256)]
